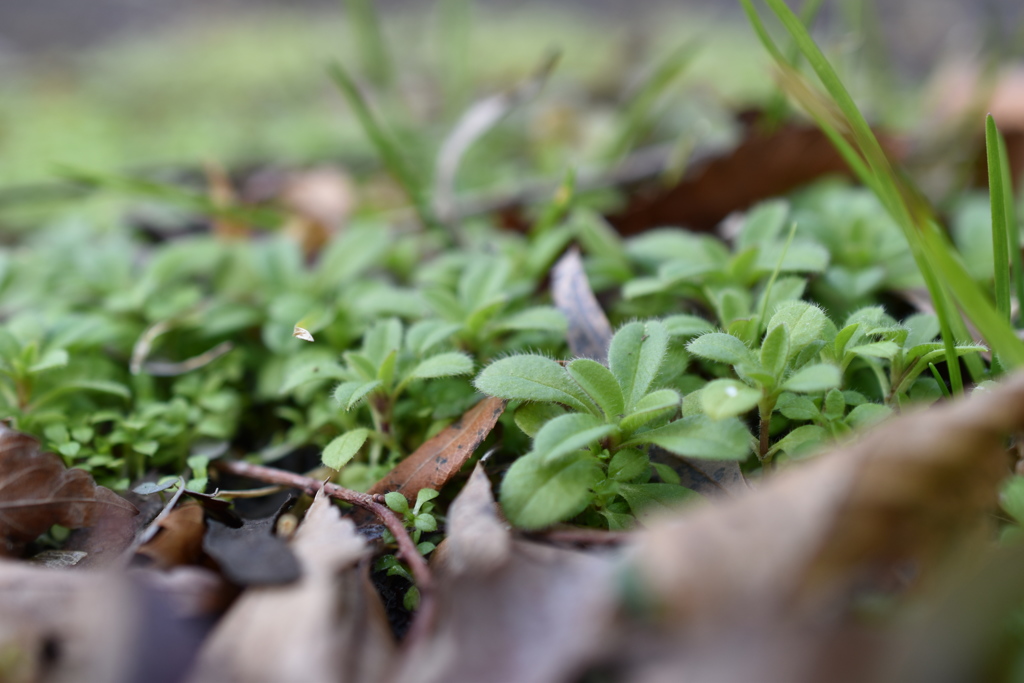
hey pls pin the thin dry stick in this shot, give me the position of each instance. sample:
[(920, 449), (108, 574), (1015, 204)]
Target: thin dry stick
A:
[(407, 551)]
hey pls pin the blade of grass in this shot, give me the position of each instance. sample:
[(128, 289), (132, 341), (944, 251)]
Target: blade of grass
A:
[(1000, 239), (374, 59), (928, 244), (395, 162), (775, 110), (638, 112), (1009, 197)]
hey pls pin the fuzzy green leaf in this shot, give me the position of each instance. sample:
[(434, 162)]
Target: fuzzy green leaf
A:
[(724, 398), (349, 394), (343, 448), (532, 378), (654, 404), (629, 464), (882, 349), (799, 440), (699, 436), (564, 435), (867, 414), (796, 407), (310, 372), (535, 494), (443, 365), (635, 356), (530, 417), (814, 378), (650, 499), (600, 385), (397, 502), (720, 347), (54, 358), (805, 323), (545, 318), (685, 325), (426, 334), (775, 351)]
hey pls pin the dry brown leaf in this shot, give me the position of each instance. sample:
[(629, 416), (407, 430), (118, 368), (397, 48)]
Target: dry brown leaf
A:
[(763, 165), (902, 493), (37, 491), (589, 330), (510, 611), (434, 463), (327, 627), (70, 626), (319, 201), (180, 538)]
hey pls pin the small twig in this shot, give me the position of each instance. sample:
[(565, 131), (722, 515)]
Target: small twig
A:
[(407, 551)]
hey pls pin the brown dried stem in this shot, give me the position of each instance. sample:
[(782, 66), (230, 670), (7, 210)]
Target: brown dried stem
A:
[(407, 551)]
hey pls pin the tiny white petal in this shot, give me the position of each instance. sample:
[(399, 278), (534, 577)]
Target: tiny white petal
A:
[(302, 333), (731, 392)]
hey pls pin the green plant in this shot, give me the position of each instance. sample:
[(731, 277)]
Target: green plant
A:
[(419, 519), (591, 425)]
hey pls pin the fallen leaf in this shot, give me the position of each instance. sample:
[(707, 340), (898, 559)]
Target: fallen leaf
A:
[(179, 540), (37, 491), (589, 330), (509, 610), (251, 555), (763, 165), (327, 627), (67, 626), (434, 463), (478, 539)]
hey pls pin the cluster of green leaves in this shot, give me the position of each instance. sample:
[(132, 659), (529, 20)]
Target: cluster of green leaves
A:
[(419, 519), (591, 425)]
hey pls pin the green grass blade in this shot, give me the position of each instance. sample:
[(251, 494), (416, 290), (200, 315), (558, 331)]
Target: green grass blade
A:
[(369, 40), (776, 108), (933, 253), (638, 113), (1000, 240), (395, 162), (1009, 196)]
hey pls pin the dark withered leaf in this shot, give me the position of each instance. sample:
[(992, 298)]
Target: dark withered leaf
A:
[(37, 491), (251, 555), (589, 330)]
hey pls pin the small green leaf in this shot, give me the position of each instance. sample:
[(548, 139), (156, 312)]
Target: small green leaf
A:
[(648, 499), (844, 337), (882, 349), (545, 318), (426, 334), (763, 223), (343, 448), (699, 436), (536, 494), (380, 340), (805, 323), (724, 398), (600, 385), (796, 407), (532, 378), (800, 257), (349, 394), (834, 404), (424, 496), (54, 358), (530, 417), (443, 365), (635, 356), (814, 378), (867, 414), (386, 371), (397, 502), (666, 473), (684, 325), (629, 464), (775, 351), (564, 435), (310, 372), (648, 408), (426, 523), (799, 440), (720, 347)]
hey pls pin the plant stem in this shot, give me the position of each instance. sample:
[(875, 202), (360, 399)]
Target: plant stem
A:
[(765, 409), (424, 618)]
